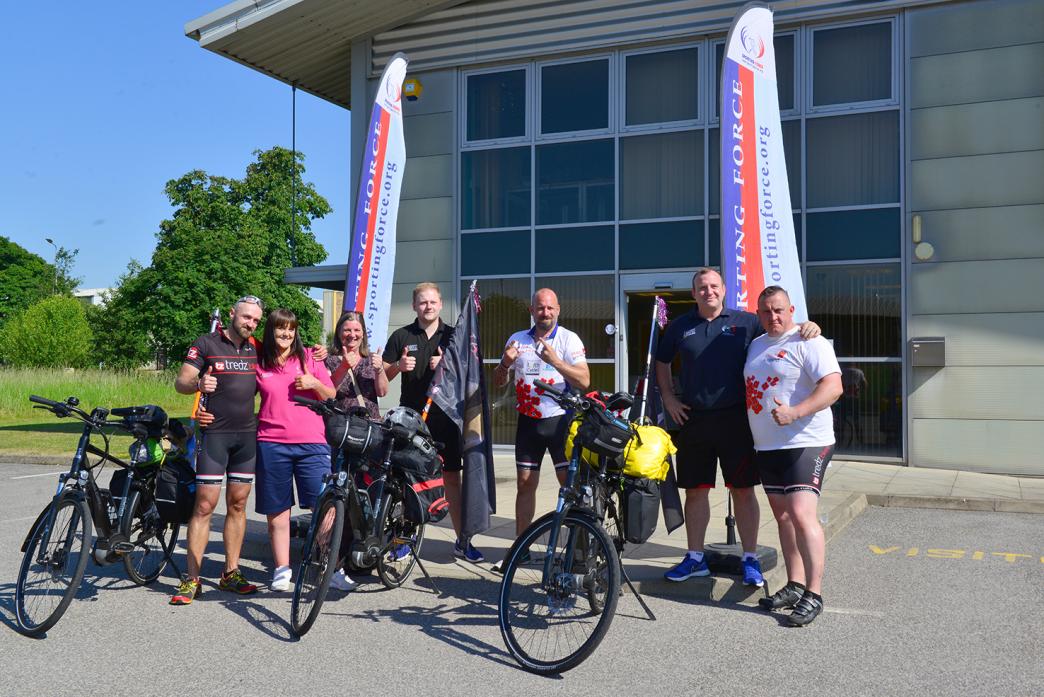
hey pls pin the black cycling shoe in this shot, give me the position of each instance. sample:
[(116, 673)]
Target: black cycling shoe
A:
[(787, 596), (806, 610)]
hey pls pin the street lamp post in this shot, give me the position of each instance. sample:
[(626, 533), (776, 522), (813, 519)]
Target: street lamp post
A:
[(54, 284)]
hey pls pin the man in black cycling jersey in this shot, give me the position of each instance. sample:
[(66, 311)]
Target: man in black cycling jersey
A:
[(221, 366), (553, 354)]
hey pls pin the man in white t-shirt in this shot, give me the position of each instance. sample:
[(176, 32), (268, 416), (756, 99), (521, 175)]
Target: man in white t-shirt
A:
[(550, 353), (790, 385)]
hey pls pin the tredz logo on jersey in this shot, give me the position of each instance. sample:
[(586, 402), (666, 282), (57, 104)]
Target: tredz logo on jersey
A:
[(230, 366)]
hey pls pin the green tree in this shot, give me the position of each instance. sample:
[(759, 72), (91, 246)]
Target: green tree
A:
[(227, 238), (53, 333), (120, 329), (26, 278)]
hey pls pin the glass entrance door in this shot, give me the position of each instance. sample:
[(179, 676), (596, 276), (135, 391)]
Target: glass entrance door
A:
[(637, 296)]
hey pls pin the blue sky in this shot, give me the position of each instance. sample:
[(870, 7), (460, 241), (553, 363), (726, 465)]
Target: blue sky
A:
[(105, 102)]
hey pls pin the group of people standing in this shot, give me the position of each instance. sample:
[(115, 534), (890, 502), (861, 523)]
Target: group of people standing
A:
[(755, 392)]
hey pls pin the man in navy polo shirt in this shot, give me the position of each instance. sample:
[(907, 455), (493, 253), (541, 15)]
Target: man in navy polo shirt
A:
[(712, 342)]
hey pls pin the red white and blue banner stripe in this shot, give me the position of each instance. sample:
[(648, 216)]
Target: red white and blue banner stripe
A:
[(758, 247), (371, 262)]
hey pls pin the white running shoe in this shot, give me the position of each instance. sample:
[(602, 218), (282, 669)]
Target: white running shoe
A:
[(281, 579), (342, 582)]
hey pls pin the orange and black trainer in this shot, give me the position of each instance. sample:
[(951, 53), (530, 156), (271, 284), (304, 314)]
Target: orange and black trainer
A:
[(234, 582), (188, 591)]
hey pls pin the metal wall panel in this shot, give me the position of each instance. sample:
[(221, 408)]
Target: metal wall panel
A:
[(1015, 285), (425, 219), (1007, 179), (977, 445), (425, 260), (1000, 232), (496, 30), (429, 134), (946, 131), (439, 93), (974, 25), (428, 177), (1000, 339), (1011, 72), (977, 392)]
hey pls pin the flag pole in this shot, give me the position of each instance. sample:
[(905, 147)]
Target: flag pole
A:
[(659, 319)]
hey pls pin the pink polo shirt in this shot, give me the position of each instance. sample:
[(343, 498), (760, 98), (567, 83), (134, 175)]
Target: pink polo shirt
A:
[(280, 420)]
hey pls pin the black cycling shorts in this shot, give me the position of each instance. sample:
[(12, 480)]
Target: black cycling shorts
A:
[(534, 437), (793, 469), (708, 437), (231, 454)]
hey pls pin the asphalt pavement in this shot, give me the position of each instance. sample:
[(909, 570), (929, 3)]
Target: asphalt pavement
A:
[(917, 601)]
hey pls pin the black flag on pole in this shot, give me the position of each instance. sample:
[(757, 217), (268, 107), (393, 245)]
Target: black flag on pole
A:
[(459, 390)]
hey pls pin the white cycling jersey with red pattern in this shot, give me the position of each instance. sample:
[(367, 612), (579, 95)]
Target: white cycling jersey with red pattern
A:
[(530, 367)]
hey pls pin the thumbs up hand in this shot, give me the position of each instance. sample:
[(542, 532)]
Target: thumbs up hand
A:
[(784, 414), (307, 381), (207, 382), (435, 359), (406, 362)]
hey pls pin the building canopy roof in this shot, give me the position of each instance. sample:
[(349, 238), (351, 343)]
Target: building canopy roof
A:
[(306, 43)]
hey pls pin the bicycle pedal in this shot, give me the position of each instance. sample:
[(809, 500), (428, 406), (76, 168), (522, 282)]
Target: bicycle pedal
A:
[(121, 547)]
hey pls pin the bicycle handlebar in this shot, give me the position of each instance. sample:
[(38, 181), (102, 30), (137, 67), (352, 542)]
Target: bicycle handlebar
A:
[(69, 408)]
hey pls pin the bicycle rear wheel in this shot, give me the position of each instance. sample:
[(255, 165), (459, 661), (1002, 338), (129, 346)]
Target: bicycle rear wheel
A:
[(52, 569), (401, 541), (153, 540), (318, 563), (544, 626)]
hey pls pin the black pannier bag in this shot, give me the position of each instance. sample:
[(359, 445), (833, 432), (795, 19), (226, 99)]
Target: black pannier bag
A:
[(641, 508), (175, 490), (602, 433), (424, 492), (354, 433)]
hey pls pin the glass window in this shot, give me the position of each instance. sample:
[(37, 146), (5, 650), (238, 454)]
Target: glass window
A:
[(661, 175), (852, 64), (714, 240), (857, 306), (494, 187), (489, 253), (575, 182), (784, 48), (791, 151), (574, 96), (853, 160), (587, 306), (502, 402), (496, 105), (574, 249), (868, 416), (661, 245), (662, 86), (860, 234), (505, 310)]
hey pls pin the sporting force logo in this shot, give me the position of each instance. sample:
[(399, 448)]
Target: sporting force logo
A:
[(753, 45)]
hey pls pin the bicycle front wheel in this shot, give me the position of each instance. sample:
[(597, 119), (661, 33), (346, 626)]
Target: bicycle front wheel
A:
[(52, 568), (401, 542), (548, 624), (318, 564), (153, 540)]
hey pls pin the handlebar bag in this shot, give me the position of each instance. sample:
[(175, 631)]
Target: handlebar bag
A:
[(602, 433), (640, 501), (175, 491), (355, 434)]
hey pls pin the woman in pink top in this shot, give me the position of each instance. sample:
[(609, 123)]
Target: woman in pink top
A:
[(291, 440)]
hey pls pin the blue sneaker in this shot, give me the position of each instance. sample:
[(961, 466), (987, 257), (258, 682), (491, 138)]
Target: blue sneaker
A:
[(467, 552), (687, 568), (752, 573), (398, 552)]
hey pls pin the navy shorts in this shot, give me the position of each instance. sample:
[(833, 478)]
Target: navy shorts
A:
[(712, 437), (279, 465)]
